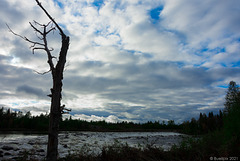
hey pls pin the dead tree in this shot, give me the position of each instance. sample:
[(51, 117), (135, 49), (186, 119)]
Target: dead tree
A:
[(56, 110)]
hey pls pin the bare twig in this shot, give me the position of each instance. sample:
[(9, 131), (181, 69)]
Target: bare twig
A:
[(64, 110), (36, 48), (51, 49), (50, 62), (35, 28), (40, 38), (25, 38), (42, 73), (66, 66), (52, 29), (37, 23), (42, 46)]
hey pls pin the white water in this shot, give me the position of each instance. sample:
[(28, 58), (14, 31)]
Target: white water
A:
[(88, 142)]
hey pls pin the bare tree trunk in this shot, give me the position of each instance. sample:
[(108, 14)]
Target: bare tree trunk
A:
[(56, 108)]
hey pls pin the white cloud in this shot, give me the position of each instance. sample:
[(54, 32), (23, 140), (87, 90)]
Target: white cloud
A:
[(121, 64), (207, 24), (111, 118)]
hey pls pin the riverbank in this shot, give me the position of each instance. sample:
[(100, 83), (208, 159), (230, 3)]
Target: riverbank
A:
[(125, 146), (89, 143)]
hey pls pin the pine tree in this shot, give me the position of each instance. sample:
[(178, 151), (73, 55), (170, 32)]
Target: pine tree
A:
[(232, 97)]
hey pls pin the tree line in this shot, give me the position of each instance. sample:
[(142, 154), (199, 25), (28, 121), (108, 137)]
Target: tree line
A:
[(16, 120), (13, 120), (205, 124), (227, 119)]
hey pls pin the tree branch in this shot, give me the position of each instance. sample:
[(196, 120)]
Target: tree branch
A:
[(50, 17), (25, 38), (43, 46), (36, 48), (35, 28), (50, 62), (51, 30), (64, 110), (39, 23)]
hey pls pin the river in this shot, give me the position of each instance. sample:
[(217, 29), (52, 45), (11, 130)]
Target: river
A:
[(12, 145)]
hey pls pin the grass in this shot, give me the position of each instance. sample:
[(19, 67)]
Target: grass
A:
[(197, 149)]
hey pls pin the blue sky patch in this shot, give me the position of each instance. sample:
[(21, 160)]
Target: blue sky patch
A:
[(98, 3), (155, 13), (204, 50), (15, 104), (58, 3), (223, 86), (236, 64), (215, 50)]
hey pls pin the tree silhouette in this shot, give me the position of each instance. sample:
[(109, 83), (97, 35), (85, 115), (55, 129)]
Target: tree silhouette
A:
[(57, 109), (232, 109), (232, 97)]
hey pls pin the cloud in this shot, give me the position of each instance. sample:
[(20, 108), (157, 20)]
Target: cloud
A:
[(206, 25), (128, 60), (110, 118), (31, 90), (9, 12)]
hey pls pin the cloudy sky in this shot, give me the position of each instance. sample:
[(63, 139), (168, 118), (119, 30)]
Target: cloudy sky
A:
[(129, 60)]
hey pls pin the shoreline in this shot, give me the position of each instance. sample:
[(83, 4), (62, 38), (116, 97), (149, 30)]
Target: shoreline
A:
[(29, 132)]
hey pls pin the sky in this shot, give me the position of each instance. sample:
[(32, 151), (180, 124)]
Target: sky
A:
[(128, 60)]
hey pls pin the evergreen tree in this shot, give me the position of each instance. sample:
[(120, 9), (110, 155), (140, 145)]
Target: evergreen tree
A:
[(232, 97)]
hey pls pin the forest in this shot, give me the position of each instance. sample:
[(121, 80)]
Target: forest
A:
[(17, 121)]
